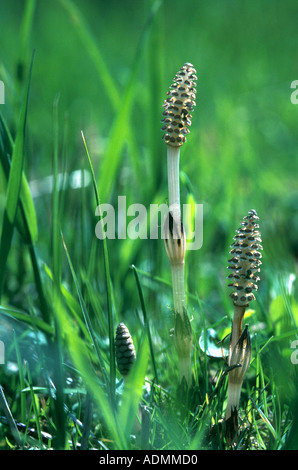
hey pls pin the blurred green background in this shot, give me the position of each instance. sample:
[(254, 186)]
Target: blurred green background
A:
[(108, 65)]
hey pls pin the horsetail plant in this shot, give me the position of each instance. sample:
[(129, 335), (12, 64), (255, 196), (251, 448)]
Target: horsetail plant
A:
[(176, 122), (244, 266)]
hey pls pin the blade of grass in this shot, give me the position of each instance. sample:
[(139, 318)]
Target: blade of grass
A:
[(93, 50), (35, 410), (120, 132), (146, 322), (87, 422), (9, 417), (26, 220), (26, 212), (58, 373), (204, 332), (86, 314), (71, 302), (91, 45), (16, 170), (28, 319), (108, 286), (25, 30), (264, 418), (14, 183), (156, 63), (123, 106), (133, 389)]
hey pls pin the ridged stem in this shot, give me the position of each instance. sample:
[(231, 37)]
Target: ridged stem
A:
[(234, 386), (236, 328), (178, 284), (183, 335), (234, 393), (173, 157), (184, 366), (239, 360), (182, 331)]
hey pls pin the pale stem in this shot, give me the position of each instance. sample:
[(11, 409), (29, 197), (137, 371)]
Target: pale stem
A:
[(184, 366), (236, 329), (234, 393), (184, 349), (178, 281), (178, 284), (173, 157), (234, 387)]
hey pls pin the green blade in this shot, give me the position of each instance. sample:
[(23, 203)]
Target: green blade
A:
[(133, 388), (14, 184), (26, 220)]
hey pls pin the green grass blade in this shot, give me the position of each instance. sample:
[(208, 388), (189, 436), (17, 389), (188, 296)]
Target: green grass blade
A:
[(133, 389), (21, 378), (16, 171), (34, 406), (93, 50), (156, 64), (121, 132), (71, 303), (56, 241), (9, 417), (25, 30), (26, 220), (108, 287), (58, 373), (146, 322), (39, 285), (121, 128), (14, 183), (264, 418), (58, 408), (28, 319), (85, 313)]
